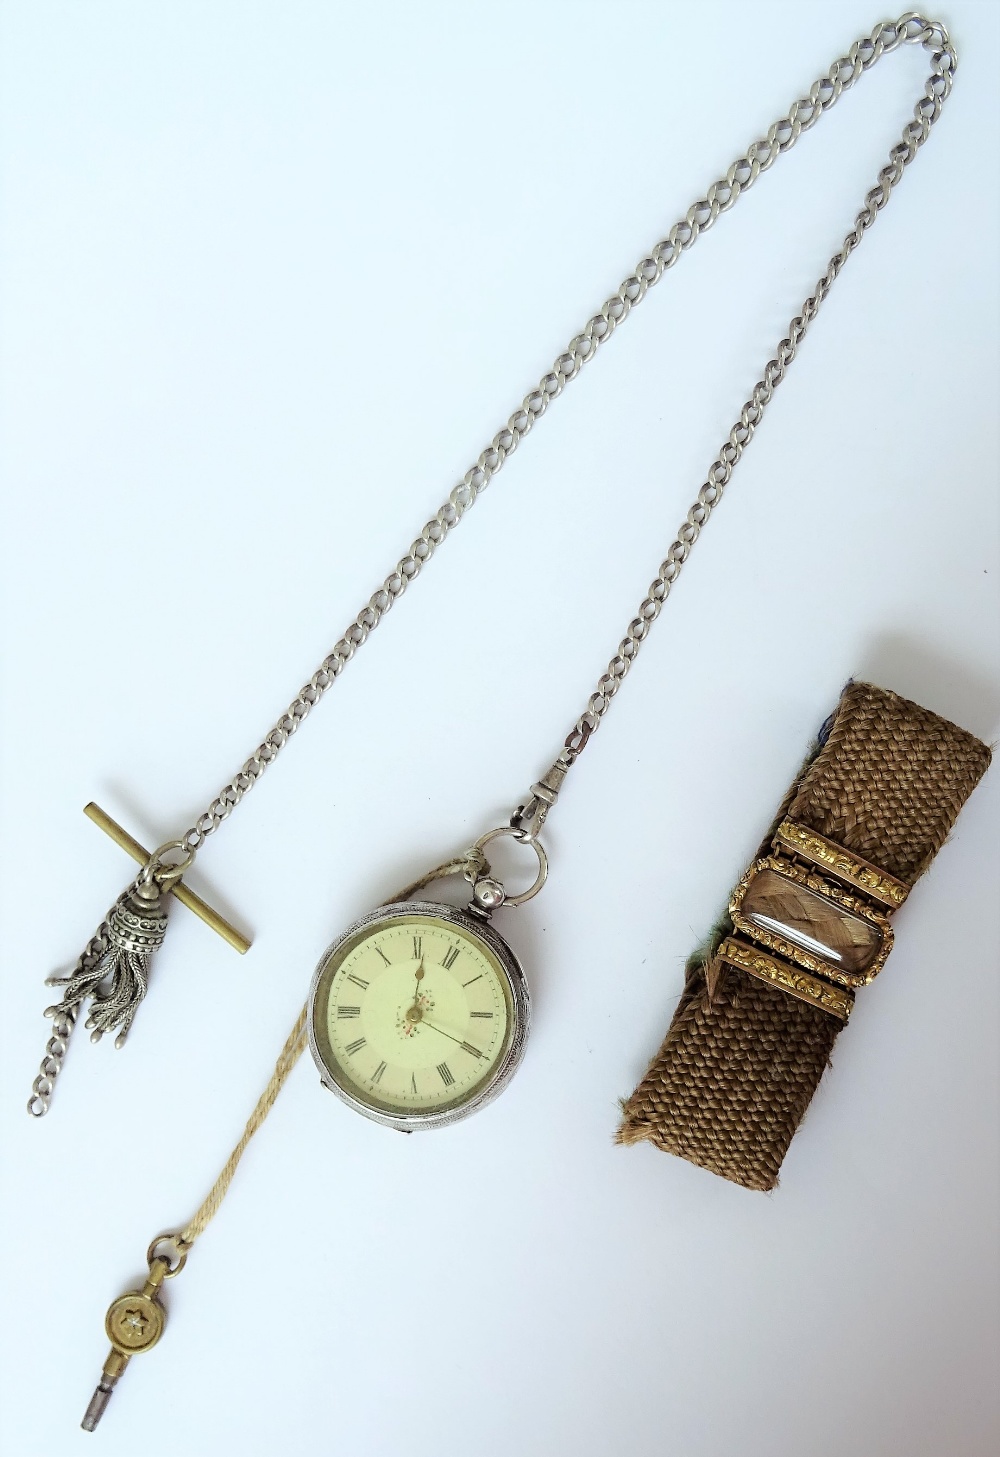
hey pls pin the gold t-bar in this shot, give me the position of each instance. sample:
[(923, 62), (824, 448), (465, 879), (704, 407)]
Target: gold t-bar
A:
[(186, 897)]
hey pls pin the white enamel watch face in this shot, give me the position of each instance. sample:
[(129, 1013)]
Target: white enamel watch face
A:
[(418, 1015)]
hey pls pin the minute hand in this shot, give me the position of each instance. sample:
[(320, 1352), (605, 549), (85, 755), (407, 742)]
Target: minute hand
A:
[(466, 1046)]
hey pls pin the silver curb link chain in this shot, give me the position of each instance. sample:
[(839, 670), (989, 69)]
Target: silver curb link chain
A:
[(887, 36)]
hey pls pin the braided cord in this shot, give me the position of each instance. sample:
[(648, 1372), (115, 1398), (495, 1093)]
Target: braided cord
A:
[(289, 1056)]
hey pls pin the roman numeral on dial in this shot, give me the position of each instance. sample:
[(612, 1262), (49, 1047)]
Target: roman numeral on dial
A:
[(357, 980), (377, 1074), (473, 1051), (353, 1047), (383, 955), (445, 1072), (450, 957), (343, 1011), (418, 947), (480, 1014)]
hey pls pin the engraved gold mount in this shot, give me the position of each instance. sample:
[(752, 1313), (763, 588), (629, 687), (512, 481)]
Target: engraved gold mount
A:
[(812, 919)]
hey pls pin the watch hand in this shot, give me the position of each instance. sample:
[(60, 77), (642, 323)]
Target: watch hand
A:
[(420, 977), (467, 1046)]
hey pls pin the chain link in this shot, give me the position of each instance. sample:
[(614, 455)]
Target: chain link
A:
[(721, 196), (886, 37), (55, 1052), (63, 1022)]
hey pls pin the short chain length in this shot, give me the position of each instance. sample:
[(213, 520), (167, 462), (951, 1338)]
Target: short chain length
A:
[(887, 36)]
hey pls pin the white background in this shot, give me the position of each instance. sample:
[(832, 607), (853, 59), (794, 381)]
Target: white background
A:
[(272, 277)]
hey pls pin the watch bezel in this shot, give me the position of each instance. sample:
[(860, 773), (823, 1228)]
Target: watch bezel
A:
[(510, 967)]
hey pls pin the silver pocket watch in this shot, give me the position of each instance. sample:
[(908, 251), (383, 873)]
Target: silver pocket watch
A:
[(419, 1011)]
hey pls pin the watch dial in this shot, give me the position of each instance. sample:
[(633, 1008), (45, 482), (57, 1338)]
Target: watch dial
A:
[(412, 1015)]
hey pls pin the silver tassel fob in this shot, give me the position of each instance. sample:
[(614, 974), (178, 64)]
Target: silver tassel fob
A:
[(118, 981), (113, 971)]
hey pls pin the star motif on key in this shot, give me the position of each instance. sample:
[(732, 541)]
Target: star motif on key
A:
[(135, 1320)]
